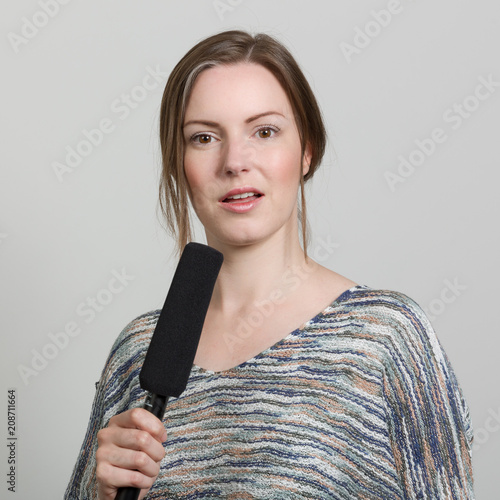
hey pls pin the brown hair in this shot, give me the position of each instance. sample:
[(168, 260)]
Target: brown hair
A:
[(225, 48)]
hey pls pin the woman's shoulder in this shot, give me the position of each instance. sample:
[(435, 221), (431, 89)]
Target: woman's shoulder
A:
[(141, 326), (380, 301), (383, 314), (389, 321), (369, 301), (133, 341)]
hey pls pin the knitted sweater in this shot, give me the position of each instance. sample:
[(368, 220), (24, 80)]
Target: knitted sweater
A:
[(360, 402)]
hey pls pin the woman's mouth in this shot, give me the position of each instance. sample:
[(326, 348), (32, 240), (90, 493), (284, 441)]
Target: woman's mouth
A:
[(242, 198)]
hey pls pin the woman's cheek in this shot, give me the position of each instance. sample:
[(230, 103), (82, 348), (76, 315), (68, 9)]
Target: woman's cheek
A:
[(288, 170), (197, 197), (192, 171), (204, 190)]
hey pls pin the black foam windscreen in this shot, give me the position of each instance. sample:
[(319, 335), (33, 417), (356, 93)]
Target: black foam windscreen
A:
[(173, 346)]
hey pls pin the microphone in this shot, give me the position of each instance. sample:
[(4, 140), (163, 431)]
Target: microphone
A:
[(172, 349)]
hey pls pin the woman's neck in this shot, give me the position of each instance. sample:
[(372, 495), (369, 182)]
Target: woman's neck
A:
[(255, 273)]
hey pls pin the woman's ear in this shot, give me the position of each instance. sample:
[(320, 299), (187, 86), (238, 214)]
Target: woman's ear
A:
[(306, 160)]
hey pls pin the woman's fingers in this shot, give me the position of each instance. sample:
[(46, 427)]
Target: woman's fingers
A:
[(110, 478), (139, 418), (129, 452), (138, 441), (135, 460)]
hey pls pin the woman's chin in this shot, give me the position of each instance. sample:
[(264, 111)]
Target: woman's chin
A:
[(244, 235), (236, 238)]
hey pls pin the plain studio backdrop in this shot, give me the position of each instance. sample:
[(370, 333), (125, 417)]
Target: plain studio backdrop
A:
[(406, 198)]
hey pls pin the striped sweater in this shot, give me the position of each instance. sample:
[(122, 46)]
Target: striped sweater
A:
[(360, 402)]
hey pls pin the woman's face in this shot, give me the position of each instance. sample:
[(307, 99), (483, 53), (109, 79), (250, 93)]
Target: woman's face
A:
[(242, 155)]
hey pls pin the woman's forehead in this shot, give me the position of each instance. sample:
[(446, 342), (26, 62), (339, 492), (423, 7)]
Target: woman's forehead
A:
[(242, 89)]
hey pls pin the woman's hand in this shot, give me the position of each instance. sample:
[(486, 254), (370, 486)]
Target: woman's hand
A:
[(129, 452)]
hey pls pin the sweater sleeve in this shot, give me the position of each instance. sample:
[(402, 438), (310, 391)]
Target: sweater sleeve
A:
[(118, 389), (428, 417)]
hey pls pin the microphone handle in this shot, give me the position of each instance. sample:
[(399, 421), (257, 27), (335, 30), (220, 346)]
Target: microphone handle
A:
[(156, 405)]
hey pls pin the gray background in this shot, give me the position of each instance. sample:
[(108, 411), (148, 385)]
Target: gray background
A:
[(62, 238)]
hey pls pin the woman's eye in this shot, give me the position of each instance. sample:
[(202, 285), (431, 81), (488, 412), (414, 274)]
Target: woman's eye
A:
[(202, 138), (266, 132)]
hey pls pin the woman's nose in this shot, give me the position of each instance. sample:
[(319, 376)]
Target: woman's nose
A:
[(238, 156)]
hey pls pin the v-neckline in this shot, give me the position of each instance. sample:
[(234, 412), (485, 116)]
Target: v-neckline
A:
[(340, 298)]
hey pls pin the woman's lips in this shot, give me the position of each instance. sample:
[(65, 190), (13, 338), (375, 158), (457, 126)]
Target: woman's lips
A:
[(242, 205), (243, 198), (239, 192)]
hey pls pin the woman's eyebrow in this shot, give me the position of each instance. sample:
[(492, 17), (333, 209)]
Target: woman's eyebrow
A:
[(248, 120), (260, 115)]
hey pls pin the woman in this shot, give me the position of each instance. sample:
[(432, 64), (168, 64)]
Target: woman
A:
[(305, 384)]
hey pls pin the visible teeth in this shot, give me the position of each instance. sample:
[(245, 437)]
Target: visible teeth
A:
[(239, 196)]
